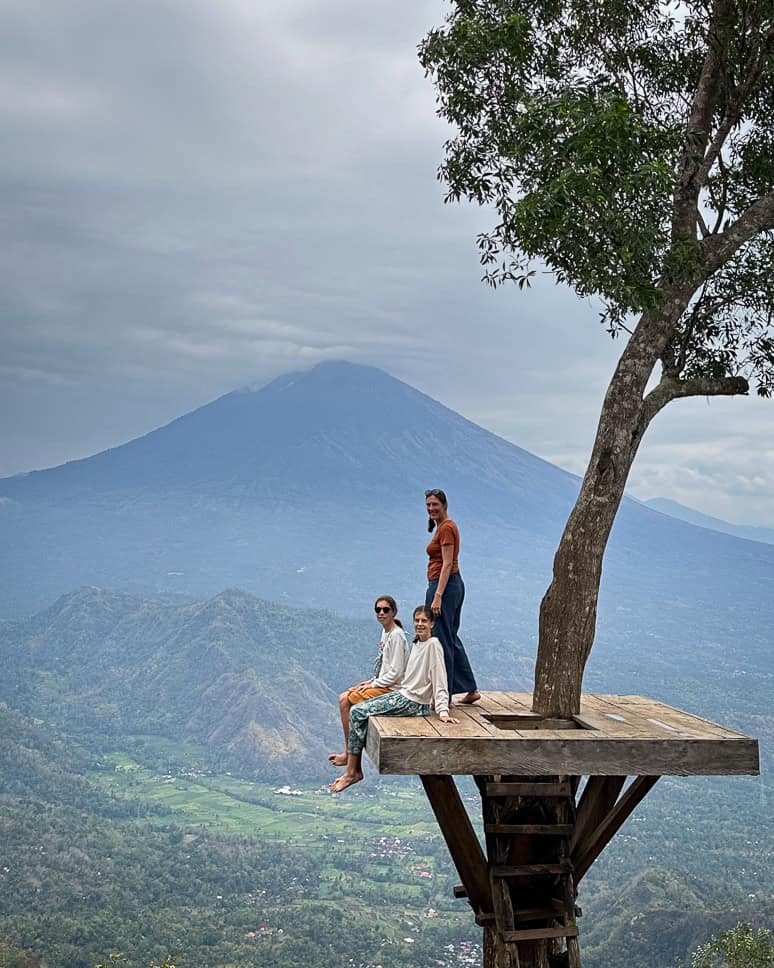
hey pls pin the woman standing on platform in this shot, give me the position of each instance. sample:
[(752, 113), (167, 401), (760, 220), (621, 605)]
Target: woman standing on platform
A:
[(446, 593)]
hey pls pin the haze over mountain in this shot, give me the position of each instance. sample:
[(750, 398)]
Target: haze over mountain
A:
[(310, 490), (749, 531)]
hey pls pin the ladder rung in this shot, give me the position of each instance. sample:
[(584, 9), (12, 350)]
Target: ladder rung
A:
[(527, 870), (536, 914), (528, 790), (549, 829), (536, 934), (484, 919)]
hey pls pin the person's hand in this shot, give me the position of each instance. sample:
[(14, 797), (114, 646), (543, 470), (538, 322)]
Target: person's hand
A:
[(436, 605), (446, 718)]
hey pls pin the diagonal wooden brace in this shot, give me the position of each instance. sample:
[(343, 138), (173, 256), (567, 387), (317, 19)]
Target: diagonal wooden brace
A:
[(461, 840), (586, 852)]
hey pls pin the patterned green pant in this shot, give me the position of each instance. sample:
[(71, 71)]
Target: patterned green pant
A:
[(390, 704)]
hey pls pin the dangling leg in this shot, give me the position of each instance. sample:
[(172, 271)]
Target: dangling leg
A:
[(340, 759), (390, 704)]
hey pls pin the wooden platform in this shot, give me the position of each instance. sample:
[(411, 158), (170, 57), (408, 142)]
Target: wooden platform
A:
[(612, 736)]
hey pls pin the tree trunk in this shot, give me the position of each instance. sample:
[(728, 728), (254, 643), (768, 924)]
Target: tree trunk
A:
[(497, 954), (568, 611)]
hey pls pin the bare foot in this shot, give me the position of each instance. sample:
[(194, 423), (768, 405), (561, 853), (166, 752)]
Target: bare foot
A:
[(344, 781), (470, 697), (338, 759)]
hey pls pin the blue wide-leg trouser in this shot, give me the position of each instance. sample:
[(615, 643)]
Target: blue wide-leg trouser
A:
[(446, 626)]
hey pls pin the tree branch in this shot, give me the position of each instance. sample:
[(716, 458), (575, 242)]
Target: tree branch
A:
[(720, 207), (718, 249), (669, 389), (698, 125), (735, 106)]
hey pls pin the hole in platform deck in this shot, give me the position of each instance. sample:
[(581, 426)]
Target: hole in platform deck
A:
[(521, 721)]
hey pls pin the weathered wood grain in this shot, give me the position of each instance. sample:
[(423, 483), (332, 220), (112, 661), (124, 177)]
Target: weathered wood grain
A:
[(461, 840), (643, 737), (537, 934)]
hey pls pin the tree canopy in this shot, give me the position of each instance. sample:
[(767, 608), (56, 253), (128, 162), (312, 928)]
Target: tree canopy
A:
[(741, 947), (627, 145)]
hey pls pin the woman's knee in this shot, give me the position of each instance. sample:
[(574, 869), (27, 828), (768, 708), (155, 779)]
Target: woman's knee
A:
[(357, 714)]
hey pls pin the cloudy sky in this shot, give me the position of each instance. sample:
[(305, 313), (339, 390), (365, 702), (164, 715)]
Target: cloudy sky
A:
[(199, 195)]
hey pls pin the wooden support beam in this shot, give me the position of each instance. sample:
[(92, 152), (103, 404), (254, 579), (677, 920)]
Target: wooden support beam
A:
[(611, 824), (539, 914), (547, 829), (538, 934), (597, 800), (527, 789), (461, 840), (530, 870)]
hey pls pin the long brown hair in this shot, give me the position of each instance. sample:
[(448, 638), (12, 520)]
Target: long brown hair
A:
[(436, 492)]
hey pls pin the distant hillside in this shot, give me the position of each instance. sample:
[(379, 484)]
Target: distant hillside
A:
[(254, 682), (683, 513)]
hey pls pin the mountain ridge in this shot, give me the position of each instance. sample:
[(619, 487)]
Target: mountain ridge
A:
[(748, 532), (232, 674), (230, 493)]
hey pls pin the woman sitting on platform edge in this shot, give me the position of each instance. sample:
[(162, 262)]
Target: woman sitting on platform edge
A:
[(388, 669), (446, 593), (423, 684)]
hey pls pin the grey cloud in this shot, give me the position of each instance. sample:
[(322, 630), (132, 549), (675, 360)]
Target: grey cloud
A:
[(203, 195)]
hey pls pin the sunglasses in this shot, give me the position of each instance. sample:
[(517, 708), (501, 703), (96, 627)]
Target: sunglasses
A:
[(433, 492), (382, 609)]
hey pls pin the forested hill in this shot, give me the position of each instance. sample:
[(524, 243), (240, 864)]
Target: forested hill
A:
[(254, 682)]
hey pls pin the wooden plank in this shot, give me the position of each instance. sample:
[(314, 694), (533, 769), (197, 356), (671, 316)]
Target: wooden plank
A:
[(488, 704), (536, 914), (483, 724), (597, 800), (598, 719), (658, 709), (547, 829), (405, 726), (461, 839), (645, 738), (538, 934), (568, 753), (469, 724), (528, 789), (530, 870), (511, 702), (596, 842)]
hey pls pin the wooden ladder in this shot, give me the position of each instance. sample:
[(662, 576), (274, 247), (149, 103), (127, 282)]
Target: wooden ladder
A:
[(531, 873)]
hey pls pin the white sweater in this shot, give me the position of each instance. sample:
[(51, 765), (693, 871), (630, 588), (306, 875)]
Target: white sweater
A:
[(395, 655), (425, 678)]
